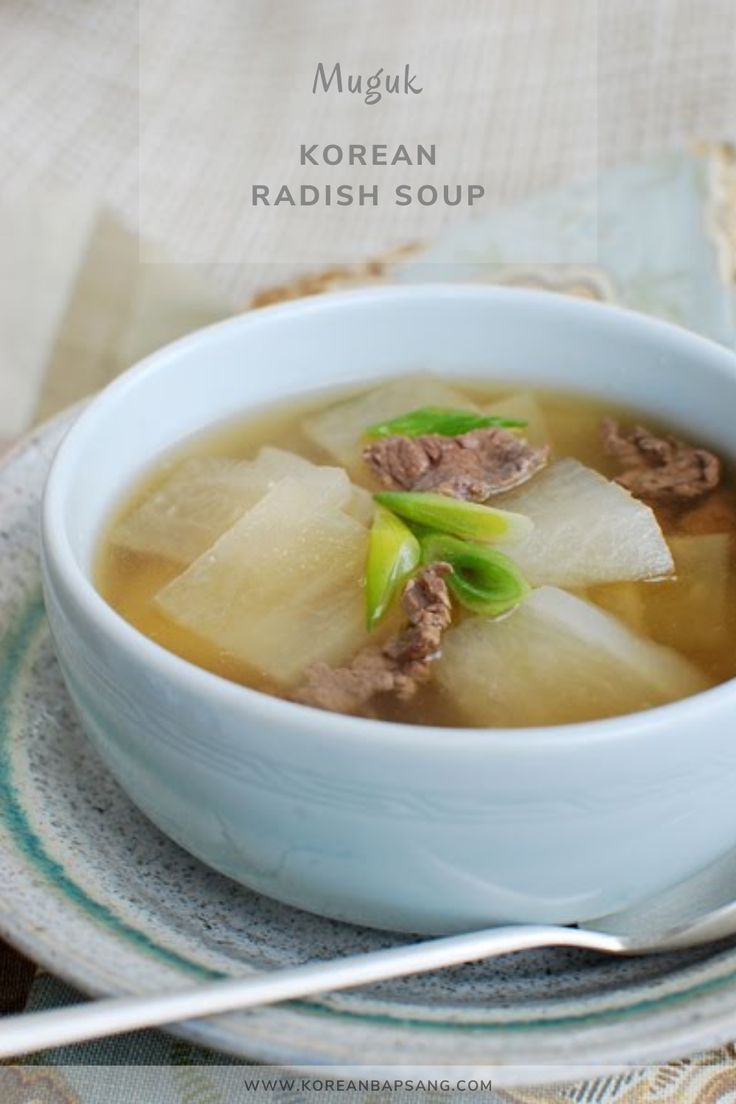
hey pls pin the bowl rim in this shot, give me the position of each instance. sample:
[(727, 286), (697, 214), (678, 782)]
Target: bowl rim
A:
[(60, 561)]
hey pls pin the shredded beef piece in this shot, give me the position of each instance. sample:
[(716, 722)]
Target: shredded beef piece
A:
[(473, 466), (400, 665), (350, 689), (426, 603), (660, 469)]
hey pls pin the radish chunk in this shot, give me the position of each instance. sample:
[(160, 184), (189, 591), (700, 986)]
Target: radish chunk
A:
[(340, 430), (557, 659), (523, 405), (587, 530), (205, 496), (276, 463), (282, 588)]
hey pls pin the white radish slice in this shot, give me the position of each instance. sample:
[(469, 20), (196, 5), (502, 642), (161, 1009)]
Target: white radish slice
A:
[(524, 405), (186, 514), (206, 495), (556, 660), (282, 588), (340, 429), (361, 505), (587, 530), (280, 462)]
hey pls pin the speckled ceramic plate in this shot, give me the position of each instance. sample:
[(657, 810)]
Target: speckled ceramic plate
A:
[(93, 891)]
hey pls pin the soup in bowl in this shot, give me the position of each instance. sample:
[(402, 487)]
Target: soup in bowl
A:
[(412, 607)]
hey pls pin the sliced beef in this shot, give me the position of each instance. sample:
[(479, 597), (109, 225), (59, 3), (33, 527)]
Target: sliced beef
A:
[(350, 689), (660, 469), (473, 466), (426, 603), (400, 665)]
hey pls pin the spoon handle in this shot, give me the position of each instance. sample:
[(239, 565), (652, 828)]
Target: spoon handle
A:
[(30, 1032)]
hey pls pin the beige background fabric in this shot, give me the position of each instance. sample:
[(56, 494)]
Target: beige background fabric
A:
[(131, 133), (168, 110)]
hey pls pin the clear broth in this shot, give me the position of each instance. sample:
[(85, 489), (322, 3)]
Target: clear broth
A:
[(129, 581)]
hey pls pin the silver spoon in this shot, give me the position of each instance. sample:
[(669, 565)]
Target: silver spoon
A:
[(700, 910)]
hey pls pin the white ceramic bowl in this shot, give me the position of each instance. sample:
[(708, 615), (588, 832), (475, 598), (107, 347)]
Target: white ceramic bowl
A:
[(414, 828)]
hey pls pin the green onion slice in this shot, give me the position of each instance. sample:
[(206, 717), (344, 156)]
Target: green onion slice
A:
[(393, 553), (469, 520), (483, 579), (438, 419)]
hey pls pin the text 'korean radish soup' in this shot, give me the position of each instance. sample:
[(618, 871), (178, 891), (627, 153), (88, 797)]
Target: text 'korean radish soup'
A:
[(434, 553)]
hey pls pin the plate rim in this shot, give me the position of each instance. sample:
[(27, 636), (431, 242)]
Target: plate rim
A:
[(692, 1034)]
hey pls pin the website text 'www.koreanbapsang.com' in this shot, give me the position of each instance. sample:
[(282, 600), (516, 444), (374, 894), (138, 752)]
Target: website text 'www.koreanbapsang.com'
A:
[(329, 1083)]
